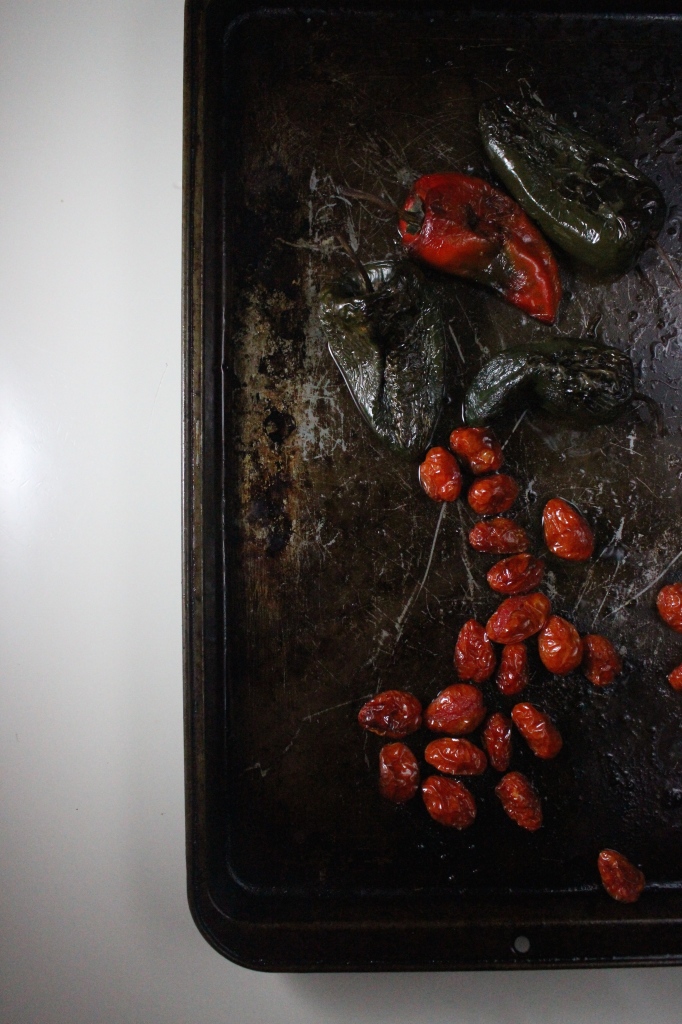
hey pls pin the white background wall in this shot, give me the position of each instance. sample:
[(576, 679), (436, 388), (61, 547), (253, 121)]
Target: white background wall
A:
[(94, 920)]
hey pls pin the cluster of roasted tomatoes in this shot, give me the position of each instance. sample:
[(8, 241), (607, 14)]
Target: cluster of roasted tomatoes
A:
[(525, 612)]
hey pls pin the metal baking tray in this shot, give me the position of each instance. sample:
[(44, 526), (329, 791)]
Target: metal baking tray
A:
[(305, 540)]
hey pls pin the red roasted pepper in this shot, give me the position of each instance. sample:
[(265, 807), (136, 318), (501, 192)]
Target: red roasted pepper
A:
[(464, 226)]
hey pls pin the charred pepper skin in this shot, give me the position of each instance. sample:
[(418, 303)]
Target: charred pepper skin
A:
[(464, 226), (598, 207), (389, 346), (580, 381)]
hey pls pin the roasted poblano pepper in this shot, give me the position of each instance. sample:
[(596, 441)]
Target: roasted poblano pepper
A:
[(591, 202), (583, 381), (389, 344)]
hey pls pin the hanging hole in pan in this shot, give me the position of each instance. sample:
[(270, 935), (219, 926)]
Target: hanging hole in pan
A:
[(521, 944)]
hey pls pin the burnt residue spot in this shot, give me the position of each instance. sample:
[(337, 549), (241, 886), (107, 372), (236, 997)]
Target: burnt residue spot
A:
[(268, 510), (279, 426)]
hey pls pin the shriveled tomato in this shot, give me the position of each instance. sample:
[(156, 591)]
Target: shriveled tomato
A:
[(440, 476), (567, 533), (601, 661), (512, 676), (621, 879), (520, 800), (669, 604), (497, 740), (490, 495), (559, 646), (517, 618), (538, 730), (454, 756), (391, 713), (477, 448), (499, 537), (464, 226), (457, 709), (474, 654), (398, 773), (449, 802), (516, 575), (675, 678)]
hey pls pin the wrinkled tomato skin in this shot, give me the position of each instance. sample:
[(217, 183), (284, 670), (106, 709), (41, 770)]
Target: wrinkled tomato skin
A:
[(621, 879), (538, 730), (474, 654), (477, 448), (512, 676), (392, 713), (449, 802), (520, 801), (567, 534), (499, 537), (398, 773), (517, 618), (491, 495), (455, 756), (497, 741), (601, 661), (516, 575), (669, 604), (458, 709), (560, 646), (440, 476), (675, 678)]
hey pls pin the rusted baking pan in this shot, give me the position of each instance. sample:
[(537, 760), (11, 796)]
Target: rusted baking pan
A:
[(314, 572)]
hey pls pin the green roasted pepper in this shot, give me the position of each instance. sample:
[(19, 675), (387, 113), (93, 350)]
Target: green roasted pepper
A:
[(583, 381), (591, 202), (386, 335)]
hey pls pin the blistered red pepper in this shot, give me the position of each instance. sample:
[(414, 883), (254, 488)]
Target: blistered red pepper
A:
[(478, 449), (516, 575), (398, 773), (440, 476), (517, 618), (448, 802), (601, 661), (621, 879), (457, 709), (474, 654), (513, 675), (464, 226)]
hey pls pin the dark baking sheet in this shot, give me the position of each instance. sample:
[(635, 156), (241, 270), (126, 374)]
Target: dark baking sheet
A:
[(306, 541)]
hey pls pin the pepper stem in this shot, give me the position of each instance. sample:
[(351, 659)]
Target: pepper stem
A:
[(655, 410), (357, 261)]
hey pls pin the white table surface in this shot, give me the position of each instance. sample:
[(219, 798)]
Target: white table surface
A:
[(94, 919)]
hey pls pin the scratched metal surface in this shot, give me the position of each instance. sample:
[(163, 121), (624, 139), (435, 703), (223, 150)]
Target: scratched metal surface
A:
[(328, 535)]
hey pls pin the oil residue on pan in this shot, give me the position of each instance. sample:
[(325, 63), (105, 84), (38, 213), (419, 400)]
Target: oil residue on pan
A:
[(329, 534)]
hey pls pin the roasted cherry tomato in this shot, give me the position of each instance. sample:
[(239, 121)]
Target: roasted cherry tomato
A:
[(456, 756), (517, 618), (520, 801), (559, 646), (491, 495), (538, 730), (474, 654), (621, 879), (457, 709), (669, 604), (440, 476), (391, 713), (448, 802), (398, 773), (675, 678), (567, 533), (499, 537), (477, 448), (601, 661), (464, 226), (497, 741), (516, 575), (513, 673)]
